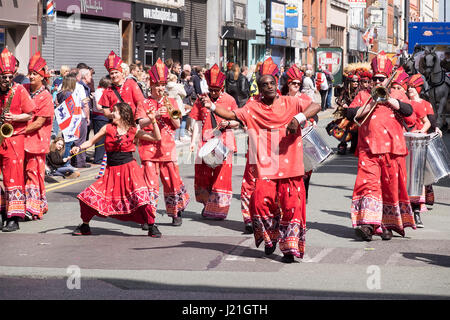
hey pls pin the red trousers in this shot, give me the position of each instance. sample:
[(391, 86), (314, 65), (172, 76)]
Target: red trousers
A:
[(247, 188), (213, 189), (141, 215), (35, 199), (380, 196), (176, 197), (12, 156), (277, 208)]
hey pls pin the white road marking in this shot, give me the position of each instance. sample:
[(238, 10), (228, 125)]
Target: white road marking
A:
[(322, 254), (393, 259), (358, 254)]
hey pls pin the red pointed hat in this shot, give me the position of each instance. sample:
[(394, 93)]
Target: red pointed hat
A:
[(38, 65), (7, 62), (401, 78), (159, 72), (294, 73), (214, 77), (269, 67), (416, 81), (364, 74), (381, 64), (113, 62)]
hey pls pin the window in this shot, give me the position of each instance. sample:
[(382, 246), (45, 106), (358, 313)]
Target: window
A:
[(337, 34)]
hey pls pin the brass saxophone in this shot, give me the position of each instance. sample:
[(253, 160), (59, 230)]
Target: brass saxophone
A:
[(174, 113), (6, 129)]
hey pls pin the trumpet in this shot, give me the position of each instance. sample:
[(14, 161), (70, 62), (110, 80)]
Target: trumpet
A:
[(6, 131), (380, 94), (174, 114)]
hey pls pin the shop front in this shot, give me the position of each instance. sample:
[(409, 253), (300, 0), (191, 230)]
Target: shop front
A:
[(158, 33), (86, 31)]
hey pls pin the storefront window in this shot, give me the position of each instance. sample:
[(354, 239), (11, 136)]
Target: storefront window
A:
[(2, 38)]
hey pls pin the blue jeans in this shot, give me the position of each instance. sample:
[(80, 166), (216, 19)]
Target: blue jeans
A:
[(64, 171), (179, 133), (330, 94)]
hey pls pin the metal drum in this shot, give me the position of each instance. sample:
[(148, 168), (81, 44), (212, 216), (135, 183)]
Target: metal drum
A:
[(415, 161), (438, 159), (315, 149), (214, 152)]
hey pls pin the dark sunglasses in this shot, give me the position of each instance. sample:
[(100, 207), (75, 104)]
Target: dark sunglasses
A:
[(381, 79), (5, 77), (296, 83)]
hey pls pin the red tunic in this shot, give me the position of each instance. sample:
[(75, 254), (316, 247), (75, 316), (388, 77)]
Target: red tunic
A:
[(200, 113), (129, 92), (420, 110), (165, 149), (39, 140), (275, 153)]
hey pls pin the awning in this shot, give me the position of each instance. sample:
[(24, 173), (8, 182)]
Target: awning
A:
[(232, 32)]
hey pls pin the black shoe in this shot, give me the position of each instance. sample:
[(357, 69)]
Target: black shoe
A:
[(386, 235), (419, 223), (342, 149), (177, 221), (145, 227), (288, 258), (153, 231), (82, 230), (249, 228), (269, 250), (364, 232), (11, 225)]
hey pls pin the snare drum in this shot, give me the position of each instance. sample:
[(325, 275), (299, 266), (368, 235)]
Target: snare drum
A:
[(315, 149), (214, 152)]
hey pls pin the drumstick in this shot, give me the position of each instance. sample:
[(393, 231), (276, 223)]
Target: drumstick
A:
[(85, 150)]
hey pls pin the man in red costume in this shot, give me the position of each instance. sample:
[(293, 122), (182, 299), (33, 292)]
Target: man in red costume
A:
[(38, 134), (380, 201), (122, 89), (16, 109), (277, 205), (213, 186), (159, 158)]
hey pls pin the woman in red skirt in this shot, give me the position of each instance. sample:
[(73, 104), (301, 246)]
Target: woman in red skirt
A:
[(121, 192)]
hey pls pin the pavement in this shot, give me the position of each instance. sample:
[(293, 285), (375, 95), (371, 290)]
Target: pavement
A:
[(215, 260)]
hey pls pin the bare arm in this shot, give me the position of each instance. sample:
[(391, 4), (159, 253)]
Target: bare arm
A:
[(221, 112), (90, 142), (35, 125)]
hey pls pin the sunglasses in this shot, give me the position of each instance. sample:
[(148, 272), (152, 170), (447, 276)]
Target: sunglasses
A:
[(214, 90), (5, 77), (295, 83), (379, 79)]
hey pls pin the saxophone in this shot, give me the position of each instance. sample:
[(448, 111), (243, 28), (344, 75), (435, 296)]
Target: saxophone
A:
[(6, 129)]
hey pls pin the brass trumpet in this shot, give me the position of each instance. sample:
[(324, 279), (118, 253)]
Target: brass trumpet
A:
[(174, 114), (6, 131), (380, 94)]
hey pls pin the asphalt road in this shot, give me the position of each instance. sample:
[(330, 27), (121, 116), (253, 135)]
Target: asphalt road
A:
[(216, 260)]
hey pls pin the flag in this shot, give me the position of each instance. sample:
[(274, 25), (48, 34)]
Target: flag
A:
[(368, 36), (68, 117)]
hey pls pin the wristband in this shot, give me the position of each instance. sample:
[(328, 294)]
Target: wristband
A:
[(300, 118), (213, 107)]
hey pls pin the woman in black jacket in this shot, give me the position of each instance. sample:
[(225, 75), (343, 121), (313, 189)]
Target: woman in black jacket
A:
[(58, 165)]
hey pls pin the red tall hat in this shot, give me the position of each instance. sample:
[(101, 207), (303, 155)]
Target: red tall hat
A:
[(416, 81), (113, 62), (7, 62), (294, 73), (214, 77), (38, 65), (269, 67), (159, 72), (401, 78), (381, 64), (364, 74)]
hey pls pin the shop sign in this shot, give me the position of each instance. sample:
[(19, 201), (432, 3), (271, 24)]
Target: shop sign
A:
[(357, 3), (159, 15), (102, 8), (277, 16)]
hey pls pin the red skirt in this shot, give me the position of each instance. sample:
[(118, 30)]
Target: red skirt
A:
[(119, 193)]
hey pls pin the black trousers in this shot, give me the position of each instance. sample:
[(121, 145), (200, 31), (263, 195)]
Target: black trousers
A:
[(99, 151)]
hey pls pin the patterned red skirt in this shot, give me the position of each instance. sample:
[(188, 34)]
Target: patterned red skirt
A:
[(119, 193)]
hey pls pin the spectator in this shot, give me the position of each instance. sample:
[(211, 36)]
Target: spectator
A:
[(86, 79), (203, 83), (136, 75), (189, 100), (322, 86), (125, 70), (176, 91), (330, 80), (176, 69), (254, 80), (19, 77), (237, 86), (98, 118), (308, 86), (57, 165), (169, 63)]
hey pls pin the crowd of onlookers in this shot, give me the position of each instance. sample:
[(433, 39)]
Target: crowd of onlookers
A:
[(185, 83)]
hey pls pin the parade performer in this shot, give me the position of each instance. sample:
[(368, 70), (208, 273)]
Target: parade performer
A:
[(213, 187), (121, 193), (122, 89), (380, 201), (277, 205), (292, 88), (37, 135), (423, 125), (16, 109), (249, 177), (159, 158)]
